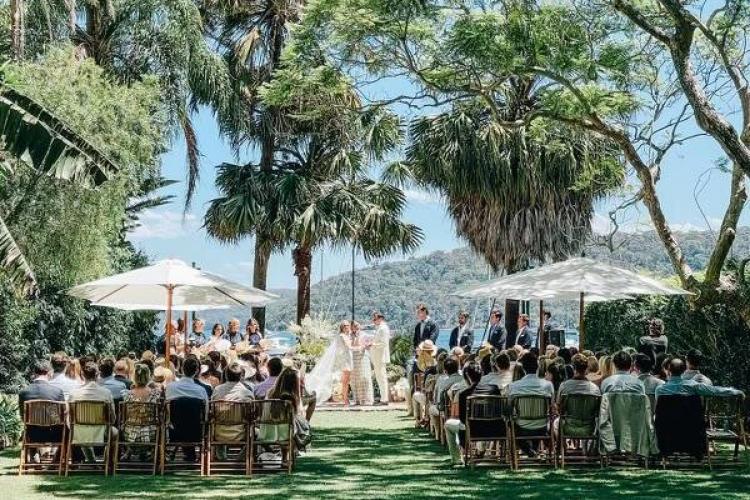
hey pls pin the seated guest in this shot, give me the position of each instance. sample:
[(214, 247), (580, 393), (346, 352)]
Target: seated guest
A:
[(694, 360), (472, 375), (500, 377), (530, 385), (197, 337), (92, 391), (592, 372), (567, 357), (444, 382), (107, 378), (676, 385), (234, 335), (233, 389), (579, 384), (553, 370), (426, 365), (41, 388), (643, 366), (287, 388), (274, 370), (622, 380), (196, 377), (186, 387), (59, 379), (73, 372), (122, 373), (252, 332), (210, 374), (141, 392)]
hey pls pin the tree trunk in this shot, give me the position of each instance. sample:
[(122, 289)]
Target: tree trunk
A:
[(302, 257), (17, 29), (260, 277)]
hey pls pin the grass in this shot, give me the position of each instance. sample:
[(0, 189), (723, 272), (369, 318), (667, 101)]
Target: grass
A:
[(379, 455)]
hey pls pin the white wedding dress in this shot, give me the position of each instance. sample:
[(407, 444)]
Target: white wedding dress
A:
[(323, 375)]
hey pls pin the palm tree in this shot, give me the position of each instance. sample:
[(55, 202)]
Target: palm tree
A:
[(251, 34), (34, 135)]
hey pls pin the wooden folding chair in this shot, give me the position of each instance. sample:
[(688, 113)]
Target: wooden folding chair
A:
[(185, 429), (273, 427), (429, 390), (726, 424), (44, 425), (534, 412), (487, 422), (680, 428), (579, 420), (91, 425), (229, 429), (140, 430)]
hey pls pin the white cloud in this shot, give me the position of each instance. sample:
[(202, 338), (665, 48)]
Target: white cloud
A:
[(422, 197), (164, 225)]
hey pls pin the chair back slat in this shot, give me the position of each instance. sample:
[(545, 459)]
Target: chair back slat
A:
[(42, 413), (273, 411), (579, 414), (487, 407), (140, 414), (724, 412), (90, 413), (531, 407), (418, 382), (229, 412)]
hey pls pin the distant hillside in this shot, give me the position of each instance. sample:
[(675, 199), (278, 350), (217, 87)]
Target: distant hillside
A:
[(395, 287)]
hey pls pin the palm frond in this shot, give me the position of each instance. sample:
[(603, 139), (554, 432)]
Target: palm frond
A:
[(13, 263)]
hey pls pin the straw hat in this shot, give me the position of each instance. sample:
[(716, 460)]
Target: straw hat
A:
[(485, 350), (427, 346), (457, 351)]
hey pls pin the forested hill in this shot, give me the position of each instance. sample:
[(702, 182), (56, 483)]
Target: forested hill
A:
[(395, 287)]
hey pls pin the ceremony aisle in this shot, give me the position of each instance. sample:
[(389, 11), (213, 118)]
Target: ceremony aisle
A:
[(359, 455)]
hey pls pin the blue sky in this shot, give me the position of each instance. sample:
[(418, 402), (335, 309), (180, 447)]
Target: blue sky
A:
[(166, 233)]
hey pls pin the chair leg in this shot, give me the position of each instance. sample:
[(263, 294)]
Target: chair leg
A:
[(251, 451), (248, 452)]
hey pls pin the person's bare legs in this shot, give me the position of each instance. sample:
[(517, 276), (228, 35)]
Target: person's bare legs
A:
[(310, 409), (345, 377)]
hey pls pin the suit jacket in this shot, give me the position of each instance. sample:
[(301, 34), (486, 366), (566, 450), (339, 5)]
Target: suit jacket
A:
[(39, 389), (523, 337), (430, 332), (497, 336), (381, 349), (465, 341)]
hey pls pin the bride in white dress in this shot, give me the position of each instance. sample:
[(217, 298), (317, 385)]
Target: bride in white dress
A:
[(336, 359)]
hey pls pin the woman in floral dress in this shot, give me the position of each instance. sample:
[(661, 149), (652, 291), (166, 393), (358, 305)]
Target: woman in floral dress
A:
[(361, 369)]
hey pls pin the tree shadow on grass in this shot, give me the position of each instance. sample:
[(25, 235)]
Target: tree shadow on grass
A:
[(402, 463)]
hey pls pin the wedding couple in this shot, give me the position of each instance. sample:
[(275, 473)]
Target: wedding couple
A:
[(349, 356)]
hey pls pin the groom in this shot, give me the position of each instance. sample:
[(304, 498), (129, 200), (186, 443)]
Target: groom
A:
[(380, 354)]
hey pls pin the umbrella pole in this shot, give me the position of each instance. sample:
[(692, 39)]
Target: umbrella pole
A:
[(541, 341), (168, 336), (581, 325), (184, 322), (487, 324)]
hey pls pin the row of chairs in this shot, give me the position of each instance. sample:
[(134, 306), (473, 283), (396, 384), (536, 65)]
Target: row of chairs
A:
[(681, 427), (145, 437)]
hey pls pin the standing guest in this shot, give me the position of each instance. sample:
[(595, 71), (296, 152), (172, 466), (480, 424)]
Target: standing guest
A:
[(694, 360), (344, 361), (253, 334), (462, 335), (678, 386), (426, 329), (198, 337), (380, 355), (92, 391), (523, 336), (233, 331), (543, 333), (41, 388), (233, 389), (578, 384), (361, 370), (107, 378), (497, 335), (621, 380), (274, 369), (60, 380), (655, 342), (643, 366), (456, 427), (122, 373), (501, 376)]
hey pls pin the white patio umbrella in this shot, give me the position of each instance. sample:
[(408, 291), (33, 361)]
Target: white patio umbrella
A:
[(580, 278), (169, 285)]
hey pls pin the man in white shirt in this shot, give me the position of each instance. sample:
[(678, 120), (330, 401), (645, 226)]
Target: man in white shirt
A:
[(622, 380), (530, 385), (59, 362), (380, 355)]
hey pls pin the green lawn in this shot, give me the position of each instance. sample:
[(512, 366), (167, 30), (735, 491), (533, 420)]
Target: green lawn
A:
[(379, 455)]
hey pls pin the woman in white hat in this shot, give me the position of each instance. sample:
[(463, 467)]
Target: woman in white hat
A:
[(425, 365)]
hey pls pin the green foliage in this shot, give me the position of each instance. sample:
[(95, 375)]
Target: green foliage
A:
[(401, 349), (717, 331), (10, 421)]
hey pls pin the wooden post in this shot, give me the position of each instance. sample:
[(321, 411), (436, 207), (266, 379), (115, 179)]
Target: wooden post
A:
[(541, 340), (581, 325), (184, 322), (168, 336)]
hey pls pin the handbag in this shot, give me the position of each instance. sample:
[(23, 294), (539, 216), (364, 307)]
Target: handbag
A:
[(302, 433)]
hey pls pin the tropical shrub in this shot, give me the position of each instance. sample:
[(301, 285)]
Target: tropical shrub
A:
[(401, 349), (10, 421)]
